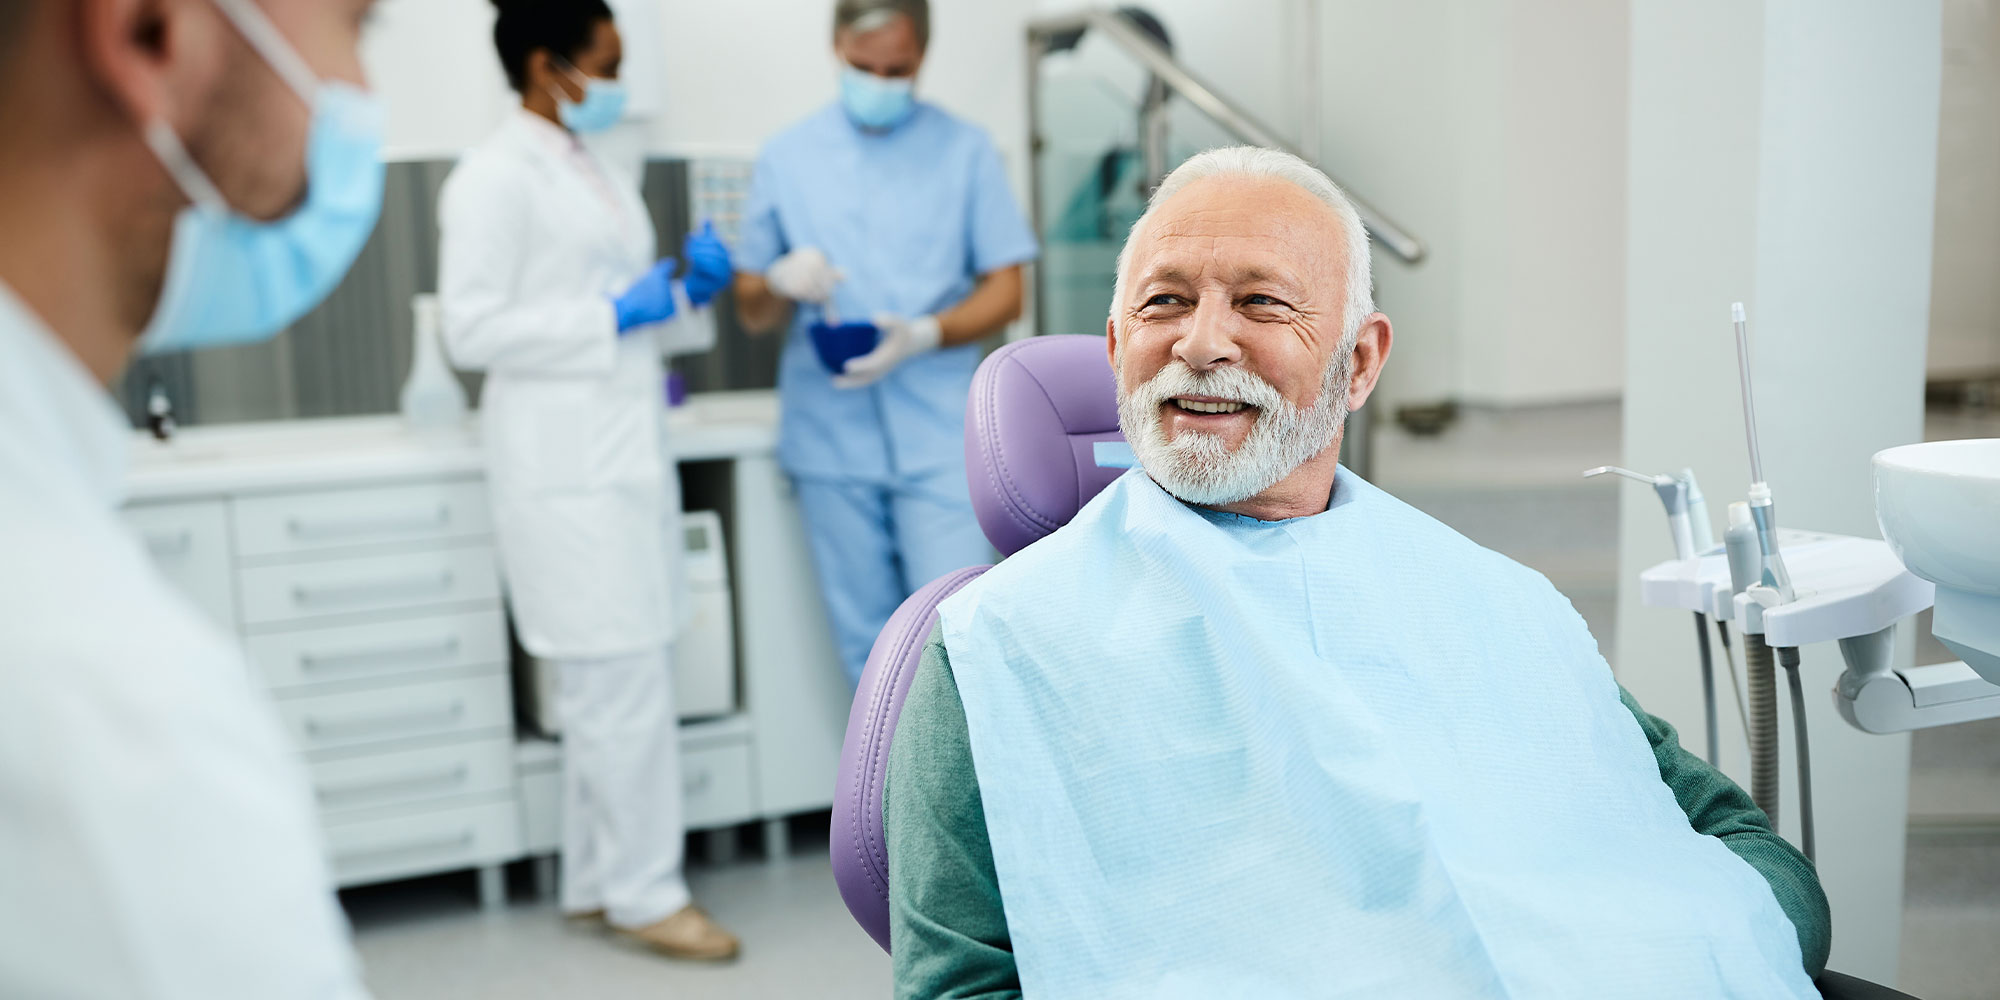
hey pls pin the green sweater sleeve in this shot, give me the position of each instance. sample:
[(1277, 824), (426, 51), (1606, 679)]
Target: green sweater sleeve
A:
[(948, 928), (1720, 808)]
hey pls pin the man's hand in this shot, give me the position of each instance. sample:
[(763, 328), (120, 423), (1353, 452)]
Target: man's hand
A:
[(902, 339)]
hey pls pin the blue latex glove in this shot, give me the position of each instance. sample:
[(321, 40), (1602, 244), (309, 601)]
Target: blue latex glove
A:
[(649, 300), (709, 269)]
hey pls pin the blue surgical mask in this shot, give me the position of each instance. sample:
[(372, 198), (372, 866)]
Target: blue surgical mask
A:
[(234, 280), (876, 102), (602, 106)]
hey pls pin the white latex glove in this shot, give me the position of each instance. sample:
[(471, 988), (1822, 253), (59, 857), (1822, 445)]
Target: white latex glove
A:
[(804, 275), (902, 339)]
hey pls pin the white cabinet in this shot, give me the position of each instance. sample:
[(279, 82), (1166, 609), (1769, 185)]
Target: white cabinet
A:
[(458, 709), (421, 842), (289, 524), (189, 541), (374, 617), (355, 562), (344, 653), (406, 581)]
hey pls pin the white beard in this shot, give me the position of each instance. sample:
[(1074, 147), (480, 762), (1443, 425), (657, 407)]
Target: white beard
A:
[(1198, 467)]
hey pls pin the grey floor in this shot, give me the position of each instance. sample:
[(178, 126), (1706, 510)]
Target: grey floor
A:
[(1507, 480), (427, 939)]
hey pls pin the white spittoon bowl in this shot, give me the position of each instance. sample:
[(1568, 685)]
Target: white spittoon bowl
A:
[(1939, 508)]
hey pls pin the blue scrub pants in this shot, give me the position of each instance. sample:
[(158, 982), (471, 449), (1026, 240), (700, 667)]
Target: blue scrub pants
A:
[(873, 545)]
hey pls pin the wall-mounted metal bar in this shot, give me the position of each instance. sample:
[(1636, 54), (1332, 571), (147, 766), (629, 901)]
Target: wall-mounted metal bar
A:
[(1386, 232)]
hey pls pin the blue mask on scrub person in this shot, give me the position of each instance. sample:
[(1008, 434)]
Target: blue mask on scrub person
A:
[(602, 106), (234, 280), (876, 102)]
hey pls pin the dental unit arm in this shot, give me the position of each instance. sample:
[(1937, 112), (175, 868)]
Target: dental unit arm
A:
[(1785, 589)]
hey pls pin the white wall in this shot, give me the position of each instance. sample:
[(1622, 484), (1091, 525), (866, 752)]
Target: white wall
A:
[(730, 74), (1965, 290), (1495, 131), (1782, 154)]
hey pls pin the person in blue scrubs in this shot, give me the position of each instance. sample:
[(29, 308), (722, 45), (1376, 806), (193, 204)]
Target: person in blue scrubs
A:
[(881, 208)]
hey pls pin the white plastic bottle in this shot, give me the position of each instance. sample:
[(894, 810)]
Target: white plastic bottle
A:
[(432, 398)]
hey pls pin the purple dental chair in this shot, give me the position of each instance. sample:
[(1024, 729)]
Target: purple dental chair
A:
[(1037, 411)]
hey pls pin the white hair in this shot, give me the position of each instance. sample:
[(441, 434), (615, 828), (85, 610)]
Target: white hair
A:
[(1259, 163)]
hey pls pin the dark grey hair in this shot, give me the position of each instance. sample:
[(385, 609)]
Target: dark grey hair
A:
[(867, 15)]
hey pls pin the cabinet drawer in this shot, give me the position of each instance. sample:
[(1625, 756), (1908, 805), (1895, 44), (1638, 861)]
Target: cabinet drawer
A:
[(377, 850), (715, 784), (414, 776), (406, 711), (189, 542), (387, 649), (332, 519), (276, 594)]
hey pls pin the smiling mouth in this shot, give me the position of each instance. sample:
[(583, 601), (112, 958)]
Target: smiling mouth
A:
[(1208, 406)]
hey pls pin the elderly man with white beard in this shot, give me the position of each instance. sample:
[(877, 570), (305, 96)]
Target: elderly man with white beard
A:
[(1250, 727)]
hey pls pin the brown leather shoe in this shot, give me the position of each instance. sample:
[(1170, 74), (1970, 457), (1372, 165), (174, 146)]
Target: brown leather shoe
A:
[(689, 934)]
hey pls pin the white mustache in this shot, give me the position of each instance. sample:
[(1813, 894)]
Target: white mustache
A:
[(1178, 379)]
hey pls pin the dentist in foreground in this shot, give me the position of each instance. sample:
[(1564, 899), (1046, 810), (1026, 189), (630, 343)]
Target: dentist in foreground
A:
[(175, 174), (551, 284)]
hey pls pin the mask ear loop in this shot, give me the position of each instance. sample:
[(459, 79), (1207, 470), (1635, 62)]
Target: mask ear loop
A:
[(256, 28), (582, 79), (180, 165)]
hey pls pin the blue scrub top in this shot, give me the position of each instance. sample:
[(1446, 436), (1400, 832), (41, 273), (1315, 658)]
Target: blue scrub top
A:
[(913, 217)]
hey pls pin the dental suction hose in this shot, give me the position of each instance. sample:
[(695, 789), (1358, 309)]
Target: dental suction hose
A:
[(1708, 689), (1788, 657), (1759, 664), (1746, 569)]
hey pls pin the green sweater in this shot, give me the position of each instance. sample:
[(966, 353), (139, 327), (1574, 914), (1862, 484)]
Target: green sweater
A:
[(949, 929)]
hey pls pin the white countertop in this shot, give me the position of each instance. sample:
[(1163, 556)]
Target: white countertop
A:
[(344, 451)]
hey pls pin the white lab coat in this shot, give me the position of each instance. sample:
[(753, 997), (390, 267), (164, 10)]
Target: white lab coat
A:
[(537, 237), (157, 836)]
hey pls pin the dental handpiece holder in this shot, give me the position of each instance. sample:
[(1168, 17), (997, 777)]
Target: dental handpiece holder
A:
[(1847, 590)]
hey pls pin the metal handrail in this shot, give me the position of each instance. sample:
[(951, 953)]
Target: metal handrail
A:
[(1162, 64)]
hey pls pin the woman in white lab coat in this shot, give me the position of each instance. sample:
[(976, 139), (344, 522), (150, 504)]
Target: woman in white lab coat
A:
[(549, 284)]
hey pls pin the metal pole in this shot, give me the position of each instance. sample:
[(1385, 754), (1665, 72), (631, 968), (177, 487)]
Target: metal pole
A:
[(1037, 48)]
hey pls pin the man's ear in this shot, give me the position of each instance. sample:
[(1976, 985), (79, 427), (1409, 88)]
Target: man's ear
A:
[(1111, 341), (133, 50), (1371, 352)]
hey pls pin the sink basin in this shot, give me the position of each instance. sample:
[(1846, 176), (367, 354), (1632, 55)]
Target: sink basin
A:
[(1939, 508)]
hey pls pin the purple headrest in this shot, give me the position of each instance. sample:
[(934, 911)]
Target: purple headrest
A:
[(1038, 409)]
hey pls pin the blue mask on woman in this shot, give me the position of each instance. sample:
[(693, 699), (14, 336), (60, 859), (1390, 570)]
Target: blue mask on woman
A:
[(602, 106), (234, 280), (876, 102)]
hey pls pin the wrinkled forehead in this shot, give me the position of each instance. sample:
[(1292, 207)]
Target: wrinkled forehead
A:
[(1237, 229)]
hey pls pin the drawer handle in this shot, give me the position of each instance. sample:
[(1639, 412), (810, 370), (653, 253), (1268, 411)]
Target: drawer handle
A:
[(321, 530), (416, 845), (373, 657), (388, 722), (164, 546), (440, 778), (376, 591)]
